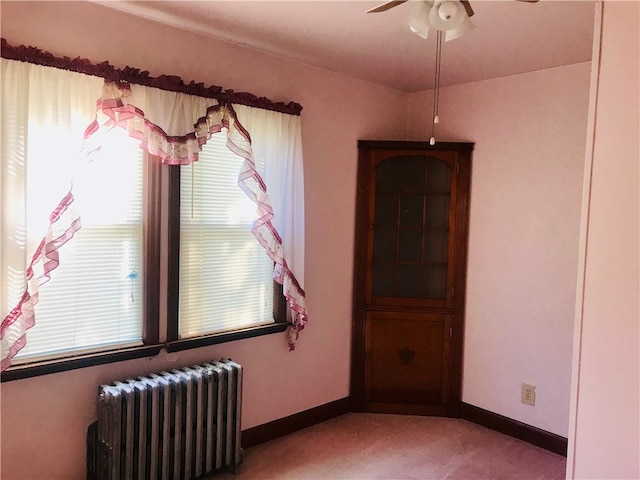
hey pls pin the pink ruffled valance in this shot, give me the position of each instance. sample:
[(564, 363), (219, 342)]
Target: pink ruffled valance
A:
[(132, 75)]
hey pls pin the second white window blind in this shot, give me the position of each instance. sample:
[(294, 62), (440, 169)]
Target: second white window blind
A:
[(225, 275)]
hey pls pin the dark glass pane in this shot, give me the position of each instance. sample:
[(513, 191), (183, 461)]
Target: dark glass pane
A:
[(438, 176), (388, 175), (409, 280), (411, 222), (410, 245), (413, 180), (384, 279), (438, 211), (434, 281), (386, 212), (384, 244), (411, 210), (435, 246)]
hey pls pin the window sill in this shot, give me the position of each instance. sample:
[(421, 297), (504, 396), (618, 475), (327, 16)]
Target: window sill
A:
[(46, 367), (187, 343)]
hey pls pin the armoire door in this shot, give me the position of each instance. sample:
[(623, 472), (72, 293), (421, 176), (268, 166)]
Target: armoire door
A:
[(409, 278)]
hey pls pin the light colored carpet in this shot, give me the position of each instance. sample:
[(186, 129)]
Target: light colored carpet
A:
[(375, 446)]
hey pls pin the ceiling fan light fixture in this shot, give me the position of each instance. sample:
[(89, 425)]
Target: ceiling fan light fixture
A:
[(447, 10), (466, 26), (447, 15), (419, 19)]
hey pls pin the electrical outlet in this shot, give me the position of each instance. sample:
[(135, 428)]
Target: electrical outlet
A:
[(528, 396)]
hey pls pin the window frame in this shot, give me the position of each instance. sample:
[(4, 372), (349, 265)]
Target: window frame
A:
[(152, 344), (151, 241), (159, 234), (174, 343)]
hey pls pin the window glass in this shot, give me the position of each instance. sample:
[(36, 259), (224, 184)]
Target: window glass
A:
[(226, 278), (411, 227), (94, 298)]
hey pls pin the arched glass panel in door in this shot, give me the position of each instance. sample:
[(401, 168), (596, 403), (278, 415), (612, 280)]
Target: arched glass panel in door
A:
[(411, 227)]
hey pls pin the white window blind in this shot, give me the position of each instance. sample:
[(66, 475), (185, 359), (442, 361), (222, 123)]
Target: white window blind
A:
[(94, 298), (225, 276)]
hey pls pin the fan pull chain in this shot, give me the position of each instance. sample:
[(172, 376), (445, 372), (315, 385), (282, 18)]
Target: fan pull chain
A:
[(436, 88), (436, 118)]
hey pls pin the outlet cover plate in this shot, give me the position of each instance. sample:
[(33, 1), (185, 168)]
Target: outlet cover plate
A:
[(528, 395)]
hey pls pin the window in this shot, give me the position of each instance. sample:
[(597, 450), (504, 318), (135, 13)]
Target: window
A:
[(91, 279), (95, 281), (226, 278), (94, 299)]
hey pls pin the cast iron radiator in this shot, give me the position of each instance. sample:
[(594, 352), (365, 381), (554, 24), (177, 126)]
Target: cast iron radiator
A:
[(171, 425)]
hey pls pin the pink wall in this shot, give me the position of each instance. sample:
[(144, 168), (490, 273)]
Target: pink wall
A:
[(530, 140), (529, 132), (44, 419), (605, 434)]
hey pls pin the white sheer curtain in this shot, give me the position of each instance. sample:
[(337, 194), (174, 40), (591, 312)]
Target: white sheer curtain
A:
[(276, 141), (170, 125), (44, 114)]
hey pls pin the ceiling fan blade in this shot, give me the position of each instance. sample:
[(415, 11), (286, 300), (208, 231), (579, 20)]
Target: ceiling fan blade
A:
[(386, 6), (529, 1), (468, 9)]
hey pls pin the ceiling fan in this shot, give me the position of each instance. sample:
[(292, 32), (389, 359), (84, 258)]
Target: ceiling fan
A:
[(450, 19), (448, 16)]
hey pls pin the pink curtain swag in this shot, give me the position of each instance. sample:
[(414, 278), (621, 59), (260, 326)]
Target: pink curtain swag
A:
[(113, 110)]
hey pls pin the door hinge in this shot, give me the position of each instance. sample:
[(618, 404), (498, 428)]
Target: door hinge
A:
[(450, 332), (451, 292), (457, 168)]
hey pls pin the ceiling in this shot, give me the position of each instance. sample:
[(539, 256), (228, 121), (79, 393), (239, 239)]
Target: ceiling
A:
[(510, 37)]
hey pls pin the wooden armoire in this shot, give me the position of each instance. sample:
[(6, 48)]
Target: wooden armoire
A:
[(410, 265)]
